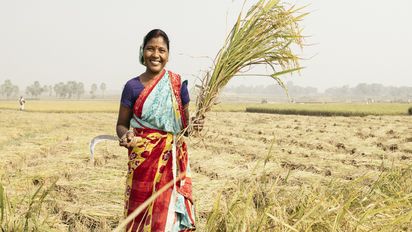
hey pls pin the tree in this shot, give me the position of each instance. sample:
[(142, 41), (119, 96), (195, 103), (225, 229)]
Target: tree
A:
[(79, 89), (8, 89), (72, 88), (50, 87), (103, 87), (93, 90), (60, 89), (35, 89), (69, 90), (361, 89), (15, 91)]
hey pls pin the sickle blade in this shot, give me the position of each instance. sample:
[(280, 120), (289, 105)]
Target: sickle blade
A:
[(97, 140)]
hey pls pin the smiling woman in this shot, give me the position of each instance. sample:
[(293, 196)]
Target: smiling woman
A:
[(155, 105), (154, 53)]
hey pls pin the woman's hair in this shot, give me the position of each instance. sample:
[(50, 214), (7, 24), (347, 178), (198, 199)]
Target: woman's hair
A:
[(153, 34)]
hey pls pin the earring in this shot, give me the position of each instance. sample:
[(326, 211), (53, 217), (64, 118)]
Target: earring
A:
[(141, 58)]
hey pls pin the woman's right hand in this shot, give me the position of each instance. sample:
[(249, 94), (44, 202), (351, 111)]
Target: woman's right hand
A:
[(129, 140)]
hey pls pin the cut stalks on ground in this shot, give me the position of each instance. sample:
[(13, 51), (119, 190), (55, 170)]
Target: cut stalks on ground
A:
[(363, 204)]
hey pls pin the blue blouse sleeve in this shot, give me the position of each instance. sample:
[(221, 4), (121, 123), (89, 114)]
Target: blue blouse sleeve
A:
[(184, 93), (126, 99), (130, 93)]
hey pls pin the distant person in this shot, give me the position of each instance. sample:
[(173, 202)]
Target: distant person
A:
[(22, 102)]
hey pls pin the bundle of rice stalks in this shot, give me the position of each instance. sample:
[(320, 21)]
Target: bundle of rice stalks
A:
[(264, 36)]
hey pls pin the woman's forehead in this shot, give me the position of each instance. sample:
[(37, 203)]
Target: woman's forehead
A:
[(158, 41)]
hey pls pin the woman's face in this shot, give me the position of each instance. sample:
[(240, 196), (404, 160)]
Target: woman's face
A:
[(155, 55)]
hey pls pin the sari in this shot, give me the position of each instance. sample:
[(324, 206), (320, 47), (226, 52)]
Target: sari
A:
[(158, 118)]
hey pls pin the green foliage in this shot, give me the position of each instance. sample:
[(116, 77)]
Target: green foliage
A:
[(93, 89), (410, 110), (304, 112), (69, 89), (36, 89), (103, 87), (8, 89), (331, 109)]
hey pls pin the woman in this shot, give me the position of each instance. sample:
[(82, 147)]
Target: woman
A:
[(155, 105)]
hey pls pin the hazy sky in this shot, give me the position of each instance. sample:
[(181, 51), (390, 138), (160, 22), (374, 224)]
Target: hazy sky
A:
[(97, 41)]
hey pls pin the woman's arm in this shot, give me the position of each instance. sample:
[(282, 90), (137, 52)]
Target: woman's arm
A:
[(127, 138), (187, 114), (123, 120), (123, 125)]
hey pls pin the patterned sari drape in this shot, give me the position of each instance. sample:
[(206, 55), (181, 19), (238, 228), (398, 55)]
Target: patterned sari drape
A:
[(158, 119)]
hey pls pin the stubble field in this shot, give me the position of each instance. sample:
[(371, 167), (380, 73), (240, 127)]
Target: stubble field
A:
[(40, 148)]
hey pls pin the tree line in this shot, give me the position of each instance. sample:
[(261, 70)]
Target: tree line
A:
[(360, 92), (68, 90)]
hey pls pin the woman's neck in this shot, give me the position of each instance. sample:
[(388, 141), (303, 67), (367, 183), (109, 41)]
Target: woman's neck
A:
[(148, 76)]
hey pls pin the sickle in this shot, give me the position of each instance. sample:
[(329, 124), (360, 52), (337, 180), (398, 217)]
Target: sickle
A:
[(97, 140)]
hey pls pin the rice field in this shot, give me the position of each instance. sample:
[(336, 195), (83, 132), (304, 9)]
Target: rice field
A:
[(63, 106), (274, 172), (333, 109), (112, 106)]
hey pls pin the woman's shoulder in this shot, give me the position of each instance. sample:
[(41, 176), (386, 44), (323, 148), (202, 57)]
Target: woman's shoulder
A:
[(134, 83), (176, 77), (133, 87), (131, 91)]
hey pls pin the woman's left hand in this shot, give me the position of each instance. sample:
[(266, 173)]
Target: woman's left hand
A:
[(197, 123)]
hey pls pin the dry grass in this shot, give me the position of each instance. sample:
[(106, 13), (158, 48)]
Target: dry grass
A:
[(55, 145), (26, 213), (265, 203), (64, 106), (308, 154)]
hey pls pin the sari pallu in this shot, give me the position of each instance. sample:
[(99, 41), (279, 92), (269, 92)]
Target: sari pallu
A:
[(157, 118)]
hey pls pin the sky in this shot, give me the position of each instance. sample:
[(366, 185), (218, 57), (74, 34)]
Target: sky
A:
[(95, 41)]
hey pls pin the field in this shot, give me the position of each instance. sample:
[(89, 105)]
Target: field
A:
[(48, 146), (112, 106), (332, 109)]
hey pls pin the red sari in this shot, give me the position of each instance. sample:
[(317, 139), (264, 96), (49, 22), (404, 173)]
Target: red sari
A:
[(150, 165)]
